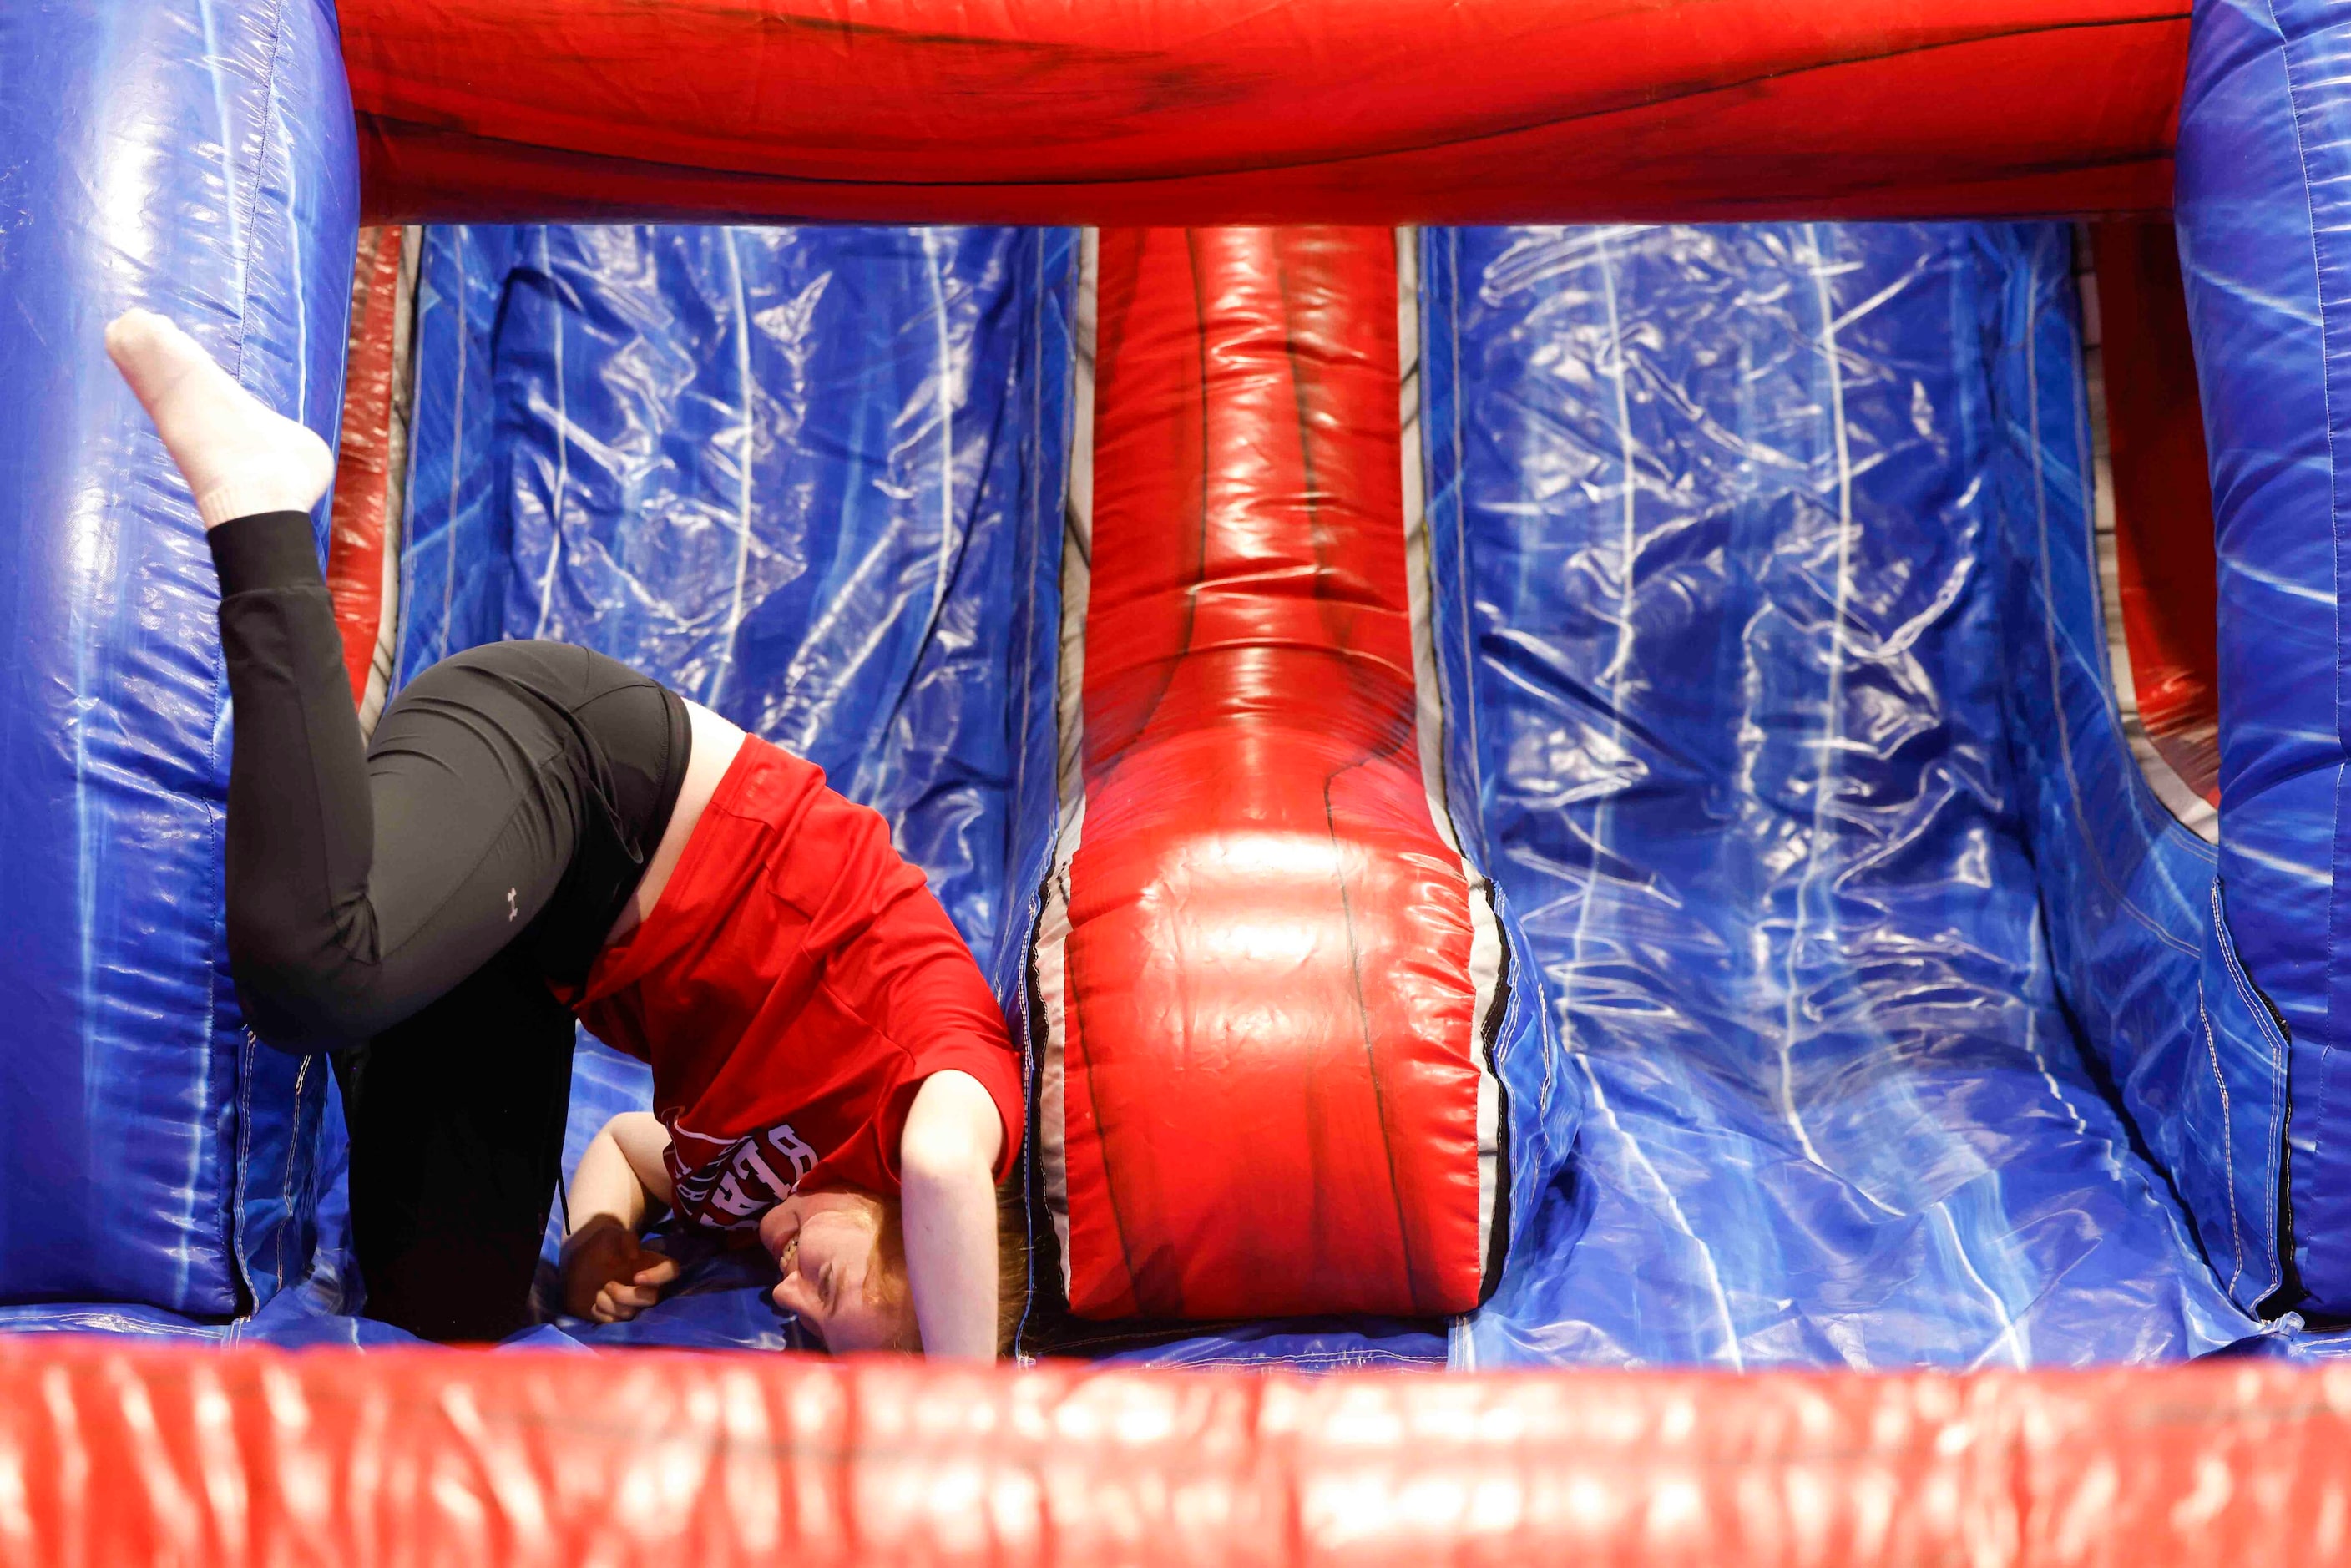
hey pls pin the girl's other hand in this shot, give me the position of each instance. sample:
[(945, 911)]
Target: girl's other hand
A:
[(609, 1275)]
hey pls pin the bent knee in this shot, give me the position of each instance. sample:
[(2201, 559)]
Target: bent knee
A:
[(302, 998)]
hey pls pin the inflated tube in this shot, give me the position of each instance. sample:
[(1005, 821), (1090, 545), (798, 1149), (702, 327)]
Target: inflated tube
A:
[(1269, 978), (1222, 112), (197, 160), (2264, 219)]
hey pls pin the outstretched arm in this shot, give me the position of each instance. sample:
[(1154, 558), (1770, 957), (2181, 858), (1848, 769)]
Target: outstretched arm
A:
[(607, 1274), (946, 1182)]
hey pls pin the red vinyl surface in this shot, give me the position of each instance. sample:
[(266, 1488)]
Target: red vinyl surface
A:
[(355, 541), (116, 1453), (1143, 111), (2163, 497), (1271, 1055)]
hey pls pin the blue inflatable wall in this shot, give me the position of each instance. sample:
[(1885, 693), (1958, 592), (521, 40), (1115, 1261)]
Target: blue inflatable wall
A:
[(1780, 601), (196, 159), (2264, 190)]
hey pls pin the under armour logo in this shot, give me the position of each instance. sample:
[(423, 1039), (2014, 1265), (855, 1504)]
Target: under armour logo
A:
[(511, 911)]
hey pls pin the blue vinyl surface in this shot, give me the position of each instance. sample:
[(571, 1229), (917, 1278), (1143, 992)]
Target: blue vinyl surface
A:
[(808, 477), (2264, 190), (1758, 534), (198, 160)]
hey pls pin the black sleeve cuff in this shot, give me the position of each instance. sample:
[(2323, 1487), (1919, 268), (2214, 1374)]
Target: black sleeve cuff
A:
[(267, 549)]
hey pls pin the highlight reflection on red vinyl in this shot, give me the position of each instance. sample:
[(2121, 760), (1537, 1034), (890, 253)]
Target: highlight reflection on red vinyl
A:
[(1155, 111), (1271, 1078), (118, 1451), (362, 463), (2163, 497)]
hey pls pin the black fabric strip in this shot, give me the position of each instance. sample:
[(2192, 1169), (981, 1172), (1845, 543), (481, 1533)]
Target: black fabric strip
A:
[(267, 549)]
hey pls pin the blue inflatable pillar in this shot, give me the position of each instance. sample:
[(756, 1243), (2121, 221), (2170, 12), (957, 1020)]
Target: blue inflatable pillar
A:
[(2265, 195), (196, 157)]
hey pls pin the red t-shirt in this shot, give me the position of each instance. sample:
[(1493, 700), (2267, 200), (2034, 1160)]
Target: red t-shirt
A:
[(793, 986)]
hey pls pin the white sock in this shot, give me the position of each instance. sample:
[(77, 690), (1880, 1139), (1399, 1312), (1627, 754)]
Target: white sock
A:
[(238, 457)]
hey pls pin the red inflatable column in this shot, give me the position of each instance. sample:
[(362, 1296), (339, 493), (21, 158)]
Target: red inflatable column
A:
[(364, 521), (1267, 972), (2163, 497)]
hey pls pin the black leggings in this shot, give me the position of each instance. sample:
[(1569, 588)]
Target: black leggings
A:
[(406, 903)]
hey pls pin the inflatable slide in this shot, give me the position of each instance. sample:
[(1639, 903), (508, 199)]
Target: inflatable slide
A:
[(1639, 707)]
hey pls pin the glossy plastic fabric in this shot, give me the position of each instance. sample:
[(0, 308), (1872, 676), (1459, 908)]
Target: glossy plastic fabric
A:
[(1750, 524), (121, 1454), (1192, 111), (2131, 904), (2265, 191), (196, 159), (364, 488), (1267, 975), (810, 478), (2162, 498)]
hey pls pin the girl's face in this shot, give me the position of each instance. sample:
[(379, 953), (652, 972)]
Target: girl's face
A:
[(839, 1277)]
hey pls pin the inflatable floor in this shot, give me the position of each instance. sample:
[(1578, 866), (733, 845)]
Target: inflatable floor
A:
[(1606, 722)]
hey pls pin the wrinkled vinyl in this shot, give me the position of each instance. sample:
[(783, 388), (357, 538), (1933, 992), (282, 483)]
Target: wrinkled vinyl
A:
[(1209, 111), (808, 477), (1270, 981), (2265, 162), (197, 160), (1756, 732), (797, 474), (118, 1454)]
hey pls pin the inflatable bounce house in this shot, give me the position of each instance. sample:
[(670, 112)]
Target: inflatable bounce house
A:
[(1618, 694)]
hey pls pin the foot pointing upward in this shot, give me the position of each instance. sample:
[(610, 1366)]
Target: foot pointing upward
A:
[(238, 457)]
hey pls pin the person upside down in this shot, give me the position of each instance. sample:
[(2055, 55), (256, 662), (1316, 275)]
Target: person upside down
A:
[(537, 833)]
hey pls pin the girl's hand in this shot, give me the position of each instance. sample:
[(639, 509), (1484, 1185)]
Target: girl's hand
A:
[(609, 1275)]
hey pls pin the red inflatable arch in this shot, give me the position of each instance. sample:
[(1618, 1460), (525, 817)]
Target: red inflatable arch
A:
[(1123, 111)]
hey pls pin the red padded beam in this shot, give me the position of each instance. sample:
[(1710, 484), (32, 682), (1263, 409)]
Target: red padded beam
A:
[(115, 1454), (1263, 1080), (355, 541), (2163, 497), (1143, 111)]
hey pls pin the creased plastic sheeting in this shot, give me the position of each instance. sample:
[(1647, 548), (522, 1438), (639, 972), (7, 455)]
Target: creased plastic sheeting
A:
[(811, 478), (2129, 898), (2264, 193), (197, 160), (1732, 538), (795, 474), (136, 1454), (1224, 112)]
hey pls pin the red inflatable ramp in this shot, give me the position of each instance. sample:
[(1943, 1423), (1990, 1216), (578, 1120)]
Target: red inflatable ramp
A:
[(1225, 111), (111, 1453), (1266, 973)]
